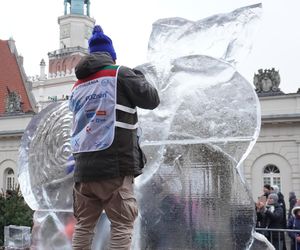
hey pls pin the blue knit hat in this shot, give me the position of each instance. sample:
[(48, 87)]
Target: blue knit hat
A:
[(99, 42)]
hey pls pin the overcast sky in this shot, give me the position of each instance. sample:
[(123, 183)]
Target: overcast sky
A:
[(33, 25)]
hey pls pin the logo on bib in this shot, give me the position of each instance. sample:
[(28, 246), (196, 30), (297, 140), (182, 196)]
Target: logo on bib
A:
[(105, 82), (96, 96), (101, 112), (98, 120), (101, 145), (90, 114)]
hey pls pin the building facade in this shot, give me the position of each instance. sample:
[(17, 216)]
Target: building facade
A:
[(16, 110), (21, 96), (275, 158)]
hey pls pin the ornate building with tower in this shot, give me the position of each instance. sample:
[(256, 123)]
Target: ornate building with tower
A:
[(75, 29)]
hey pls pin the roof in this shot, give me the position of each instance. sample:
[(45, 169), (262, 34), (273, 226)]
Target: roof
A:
[(11, 79)]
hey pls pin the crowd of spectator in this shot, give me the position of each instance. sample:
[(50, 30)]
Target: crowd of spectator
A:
[(272, 214)]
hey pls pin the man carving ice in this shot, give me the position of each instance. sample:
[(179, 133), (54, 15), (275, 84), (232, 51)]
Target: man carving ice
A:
[(105, 142)]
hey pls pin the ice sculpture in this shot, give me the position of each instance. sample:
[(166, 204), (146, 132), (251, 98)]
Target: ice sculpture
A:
[(191, 194), (208, 119)]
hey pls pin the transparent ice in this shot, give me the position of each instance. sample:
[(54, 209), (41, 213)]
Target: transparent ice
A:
[(16, 237), (191, 195)]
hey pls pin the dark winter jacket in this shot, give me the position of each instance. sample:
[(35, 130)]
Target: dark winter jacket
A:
[(292, 202), (294, 223), (124, 156), (282, 204), (272, 217)]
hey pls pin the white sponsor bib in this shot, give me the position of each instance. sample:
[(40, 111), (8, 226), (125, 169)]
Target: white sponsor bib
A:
[(93, 103)]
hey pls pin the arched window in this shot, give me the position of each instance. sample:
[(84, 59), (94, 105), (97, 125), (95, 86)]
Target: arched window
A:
[(64, 67), (9, 179), (272, 175), (58, 68), (74, 62)]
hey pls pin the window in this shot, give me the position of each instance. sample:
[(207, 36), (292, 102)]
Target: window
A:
[(10, 179), (271, 176), (58, 68), (64, 67)]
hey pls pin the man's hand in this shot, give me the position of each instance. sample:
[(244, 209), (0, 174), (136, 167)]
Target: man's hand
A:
[(298, 238)]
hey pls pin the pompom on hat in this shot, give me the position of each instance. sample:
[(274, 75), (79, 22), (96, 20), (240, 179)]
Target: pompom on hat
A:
[(99, 42)]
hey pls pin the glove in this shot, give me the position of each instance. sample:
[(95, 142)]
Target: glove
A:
[(271, 208)]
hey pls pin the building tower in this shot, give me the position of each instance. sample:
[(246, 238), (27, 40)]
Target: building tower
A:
[(75, 27)]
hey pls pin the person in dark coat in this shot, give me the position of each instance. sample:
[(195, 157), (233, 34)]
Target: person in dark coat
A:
[(271, 217), (294, 223), (105, 142), (292, 202), (260, 218), (260, 208), (275, 189), (281, 202), (267, 190)]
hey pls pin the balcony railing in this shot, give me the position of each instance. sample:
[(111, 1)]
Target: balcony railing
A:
[(279, 237), (66, 51)]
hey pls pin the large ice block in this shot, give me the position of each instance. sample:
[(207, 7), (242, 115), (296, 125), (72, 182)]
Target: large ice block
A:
[(191, 195), (17, 237), (52, 230)]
